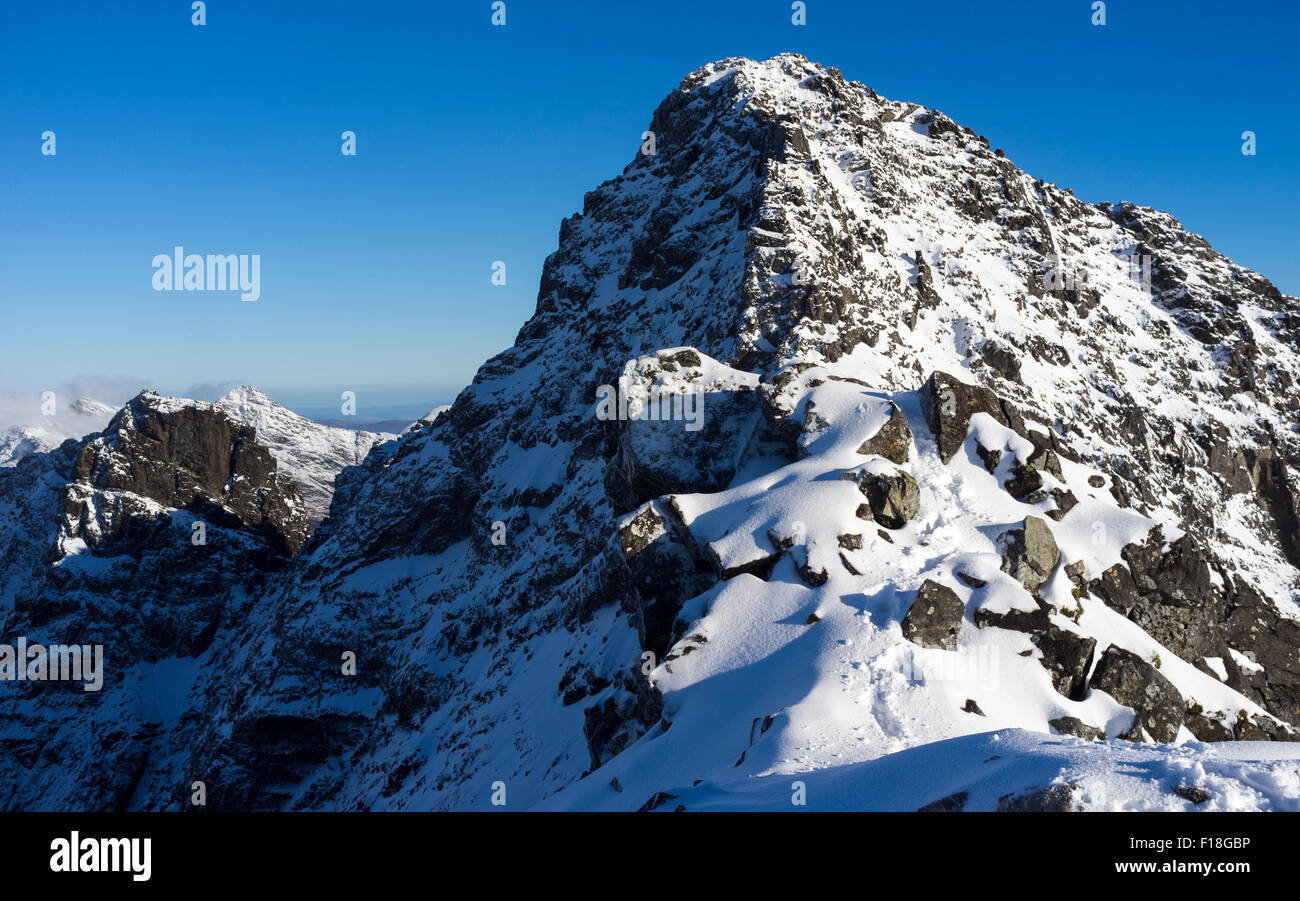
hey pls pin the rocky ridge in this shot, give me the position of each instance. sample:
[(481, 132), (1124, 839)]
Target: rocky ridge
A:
[(905, 406)]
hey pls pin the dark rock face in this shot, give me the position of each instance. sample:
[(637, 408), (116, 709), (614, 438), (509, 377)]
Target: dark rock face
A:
[(1168, 591), (1206, 728), (1133, 682), (655, 458), (191, 458), (934, 619), (893, 499), (953, 803), (666, 569), (949, 403), (892, 441), (151, 539), (1030, 553), (1026, 480), (1030, 621), (1067, 657)]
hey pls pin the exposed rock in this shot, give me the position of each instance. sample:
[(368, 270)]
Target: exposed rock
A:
[(1067, 657), (1031, 621), (934, 619), (1168, 591), (892, 441), (1052, 799), (971, 707), (1030, 553), (893, 500), (192, 457), (1133, 682), (658, 457), (1001, 360), (953, 803), (666, 569), (1262, 728), (1071, 725), (1065, 502), (1206, 728), (949, 404), (989, 457), (1193, 793)]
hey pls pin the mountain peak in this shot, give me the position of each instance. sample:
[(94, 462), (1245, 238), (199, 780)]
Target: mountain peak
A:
[(972, 456), (246, 395)]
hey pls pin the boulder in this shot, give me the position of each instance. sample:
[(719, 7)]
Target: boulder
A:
[(1030, 553), (893, 499), (1206, 728), (1072, 725), (1133, 682), (934, 619), (949, 403), (893, 439), (1067, 657), (1052, 799)]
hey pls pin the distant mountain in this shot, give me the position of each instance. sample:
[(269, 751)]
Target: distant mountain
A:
[(310, 453), (969, 465), (44, 433)]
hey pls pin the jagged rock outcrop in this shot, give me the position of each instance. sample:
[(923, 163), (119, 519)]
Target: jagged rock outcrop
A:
[(148, 539), (818, 264), (893, 441)]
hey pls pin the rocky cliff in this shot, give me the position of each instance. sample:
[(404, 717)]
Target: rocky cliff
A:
[(973, 455)]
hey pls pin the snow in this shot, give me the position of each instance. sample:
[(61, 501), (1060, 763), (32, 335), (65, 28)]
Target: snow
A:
[(43, 433), (776, 679), (307, 452), (990, 766)]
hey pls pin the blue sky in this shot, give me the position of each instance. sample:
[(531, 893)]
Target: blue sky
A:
[(473, 141)]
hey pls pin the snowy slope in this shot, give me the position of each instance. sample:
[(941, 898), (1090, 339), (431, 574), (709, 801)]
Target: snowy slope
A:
[(310, 453), (45, 433), (934, 494), (1017, 770)]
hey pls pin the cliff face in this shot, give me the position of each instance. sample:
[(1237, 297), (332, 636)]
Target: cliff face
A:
[(973, 454), (149, 539)]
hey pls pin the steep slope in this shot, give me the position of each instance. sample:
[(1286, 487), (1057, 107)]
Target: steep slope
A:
[(846, 251), (946, 463), (307, 452), (152, 540)]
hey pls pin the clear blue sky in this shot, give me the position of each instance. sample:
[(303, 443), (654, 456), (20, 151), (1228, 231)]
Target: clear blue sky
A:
[(473, 141)]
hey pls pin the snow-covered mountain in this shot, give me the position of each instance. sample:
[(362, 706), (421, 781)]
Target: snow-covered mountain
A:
[(309, 453), (960, 467), (45, 433)]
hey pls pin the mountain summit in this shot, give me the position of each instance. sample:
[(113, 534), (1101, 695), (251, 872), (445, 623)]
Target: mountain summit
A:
[(974, 456)]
